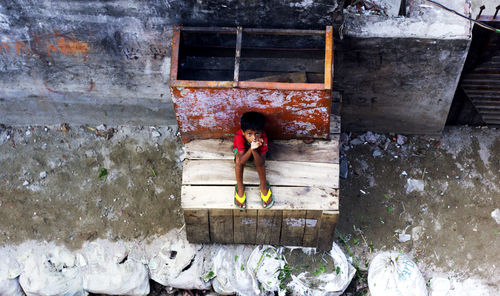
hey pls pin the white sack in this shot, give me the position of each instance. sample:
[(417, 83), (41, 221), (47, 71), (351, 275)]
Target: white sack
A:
[(108, 270), (56, 272), (9, 272), (179, 264), (395, 274)]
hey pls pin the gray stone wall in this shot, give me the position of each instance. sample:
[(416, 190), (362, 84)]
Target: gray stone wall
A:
[(109, 61)]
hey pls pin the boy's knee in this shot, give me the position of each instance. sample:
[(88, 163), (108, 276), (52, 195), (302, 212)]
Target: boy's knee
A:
[(238, 162), (259, 164)]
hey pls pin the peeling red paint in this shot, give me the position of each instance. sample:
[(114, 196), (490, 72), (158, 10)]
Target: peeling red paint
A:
[(204, 113)]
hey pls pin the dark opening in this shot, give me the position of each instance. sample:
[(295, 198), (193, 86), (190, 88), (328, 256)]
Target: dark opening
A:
[(282, 58), (210, 56), (206, 56)]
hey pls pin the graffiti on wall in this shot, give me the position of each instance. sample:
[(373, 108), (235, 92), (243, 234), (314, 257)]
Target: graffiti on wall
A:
[(46, 45), (154, 50)]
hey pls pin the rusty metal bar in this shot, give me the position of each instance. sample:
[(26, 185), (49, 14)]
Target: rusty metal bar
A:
[(232, 30), (237, 56), (174, 59), (328, 57), (281, 85), (199, 83), (480, 11), (284, 32), (227, 30)]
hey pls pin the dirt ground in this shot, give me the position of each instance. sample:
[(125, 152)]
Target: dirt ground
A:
[(77, 183), (453, 235), (70, 184)]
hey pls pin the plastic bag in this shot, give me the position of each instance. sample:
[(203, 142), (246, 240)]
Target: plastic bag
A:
[(395, 274), (230, 271), (9, 272), (265, 263), (327, 282)]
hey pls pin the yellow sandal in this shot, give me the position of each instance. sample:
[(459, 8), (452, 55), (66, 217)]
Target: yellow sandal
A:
[(265, 198), (242, 200)]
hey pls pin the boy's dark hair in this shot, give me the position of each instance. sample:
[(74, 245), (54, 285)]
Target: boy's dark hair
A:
[(252, 121)]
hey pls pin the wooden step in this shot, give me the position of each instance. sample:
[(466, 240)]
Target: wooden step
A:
[(279, 173), (286, 198), (282, 150), (275, 227)]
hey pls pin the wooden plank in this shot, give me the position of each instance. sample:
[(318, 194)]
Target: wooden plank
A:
[(327, 230), (286, 198), (328, 57), (296, 150), (279, 173), (294, 77), (221, 226), (268, 227), (245, 226), (311, 230), (237, 56), (292, 228), (197, 228), (321, 151)]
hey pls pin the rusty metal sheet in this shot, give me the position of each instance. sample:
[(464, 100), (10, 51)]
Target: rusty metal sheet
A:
[(204, 113)]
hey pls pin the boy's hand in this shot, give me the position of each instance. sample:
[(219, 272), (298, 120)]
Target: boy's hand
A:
[(256, 144)]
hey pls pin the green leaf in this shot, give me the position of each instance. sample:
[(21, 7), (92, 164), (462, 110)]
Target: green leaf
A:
[(242, 267), (154, 172), (322, 269), (102, 173), (388, 196), (389, 209), (337, 270), (495, 231), (235, 258), (355, 241), (370, 247), (210, 275)]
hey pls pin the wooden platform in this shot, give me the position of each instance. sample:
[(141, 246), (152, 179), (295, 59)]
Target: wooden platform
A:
[(304, 180)]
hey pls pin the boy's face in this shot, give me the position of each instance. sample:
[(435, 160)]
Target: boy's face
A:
[(252, 135)]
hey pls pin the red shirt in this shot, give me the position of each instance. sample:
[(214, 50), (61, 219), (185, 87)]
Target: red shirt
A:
[(241, 143)]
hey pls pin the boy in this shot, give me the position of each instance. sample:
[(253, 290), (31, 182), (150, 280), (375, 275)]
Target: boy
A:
[(251, 141)]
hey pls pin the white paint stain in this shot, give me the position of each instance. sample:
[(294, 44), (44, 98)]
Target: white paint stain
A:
[(165, 69), (147, 67), (4, 22), (248, 221), (294, 222), (311, 222)]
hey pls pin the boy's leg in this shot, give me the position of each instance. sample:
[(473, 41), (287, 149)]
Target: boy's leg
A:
[(261, 170), (238, 169)]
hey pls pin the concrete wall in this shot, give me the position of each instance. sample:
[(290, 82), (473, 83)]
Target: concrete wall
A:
[(403, 85), (108, 61)]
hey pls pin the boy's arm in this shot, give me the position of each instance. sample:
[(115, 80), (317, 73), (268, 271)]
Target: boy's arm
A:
[(243, 156), (259, 159)]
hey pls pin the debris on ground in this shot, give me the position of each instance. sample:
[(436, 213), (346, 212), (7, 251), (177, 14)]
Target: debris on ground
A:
[(414, 185), (365, 7), (496, 215)]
